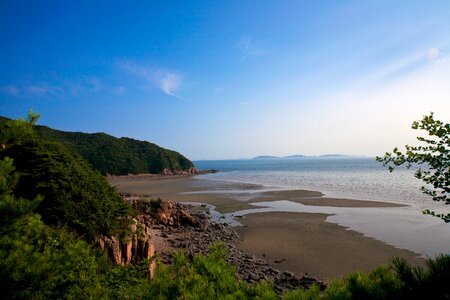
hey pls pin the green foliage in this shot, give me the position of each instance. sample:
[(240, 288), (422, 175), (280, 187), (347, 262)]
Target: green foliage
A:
[(433, 154), (73, 193), (397, 281), (118, 156), (66, 189), (10, 206), (379, 284), (209, 277), (15, 132), (311, 294), (40, 262)]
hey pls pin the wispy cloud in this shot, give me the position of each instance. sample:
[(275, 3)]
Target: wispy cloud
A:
[(34, 89), (61, 88), (438, 55), (40, 89), (10, 90), (169, 82), (249, 48), (403, 66), (433, 54)]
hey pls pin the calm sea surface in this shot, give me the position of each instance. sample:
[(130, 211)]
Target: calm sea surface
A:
[(360, 178)]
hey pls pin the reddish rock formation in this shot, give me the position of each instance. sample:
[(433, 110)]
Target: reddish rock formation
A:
[(133, 250), (140, 245)]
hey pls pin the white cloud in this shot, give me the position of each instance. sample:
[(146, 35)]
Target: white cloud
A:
[(168, 82), (249, 48), (433, 54)]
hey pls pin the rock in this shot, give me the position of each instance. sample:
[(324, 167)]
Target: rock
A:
[(126, 252), (288, 274), (138, 247), (193, 170), (166, 172), (252, 277), (186, 218)]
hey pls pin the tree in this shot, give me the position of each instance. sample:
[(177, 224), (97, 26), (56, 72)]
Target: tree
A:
[(69, 191), (15, 132), (432, 157)]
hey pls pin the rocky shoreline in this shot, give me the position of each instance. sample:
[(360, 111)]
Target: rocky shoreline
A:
[(165, 174), (175, 226)]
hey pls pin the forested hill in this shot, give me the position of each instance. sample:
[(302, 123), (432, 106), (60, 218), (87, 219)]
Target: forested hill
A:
[(116, 156)]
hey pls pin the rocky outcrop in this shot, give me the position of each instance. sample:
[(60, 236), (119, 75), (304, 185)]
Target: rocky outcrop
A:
[(137, 247), (190, 171), (165, 173), (163, 212)]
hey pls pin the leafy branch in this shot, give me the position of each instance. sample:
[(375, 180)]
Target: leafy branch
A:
[(433, 158)]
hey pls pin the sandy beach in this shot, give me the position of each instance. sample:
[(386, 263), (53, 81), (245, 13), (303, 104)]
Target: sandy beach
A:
[(296, 242)]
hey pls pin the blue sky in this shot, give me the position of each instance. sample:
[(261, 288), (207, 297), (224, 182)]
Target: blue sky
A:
[(230, 79)]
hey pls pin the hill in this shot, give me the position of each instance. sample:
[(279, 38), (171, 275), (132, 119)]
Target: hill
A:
[(294, 156), (116, 156)]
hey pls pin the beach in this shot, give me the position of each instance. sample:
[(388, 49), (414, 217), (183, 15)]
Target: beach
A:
[(298, 242)]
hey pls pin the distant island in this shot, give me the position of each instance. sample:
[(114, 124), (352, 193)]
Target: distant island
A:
[(298, 156), (295, 156), (266, 157)]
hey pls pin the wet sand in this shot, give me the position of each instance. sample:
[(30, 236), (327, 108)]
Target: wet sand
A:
[(303, 242)]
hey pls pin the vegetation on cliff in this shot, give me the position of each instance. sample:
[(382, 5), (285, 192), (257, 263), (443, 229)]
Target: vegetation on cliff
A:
[(116, 156), (71, 192), (52, 205)]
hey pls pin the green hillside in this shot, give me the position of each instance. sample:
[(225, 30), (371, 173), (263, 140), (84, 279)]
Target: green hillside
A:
[(116, 156)]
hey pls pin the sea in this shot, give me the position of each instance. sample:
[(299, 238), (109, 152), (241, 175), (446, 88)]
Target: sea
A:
[(342, 177)]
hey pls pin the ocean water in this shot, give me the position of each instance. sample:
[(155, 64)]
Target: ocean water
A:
[(360, 178)]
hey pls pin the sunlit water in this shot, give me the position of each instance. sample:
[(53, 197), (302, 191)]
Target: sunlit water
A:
[(340, 177)]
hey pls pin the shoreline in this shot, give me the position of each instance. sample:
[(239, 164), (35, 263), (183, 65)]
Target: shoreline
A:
[(165, 175), (300, 242)]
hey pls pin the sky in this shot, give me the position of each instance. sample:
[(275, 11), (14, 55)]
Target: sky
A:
[(230, 79)]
